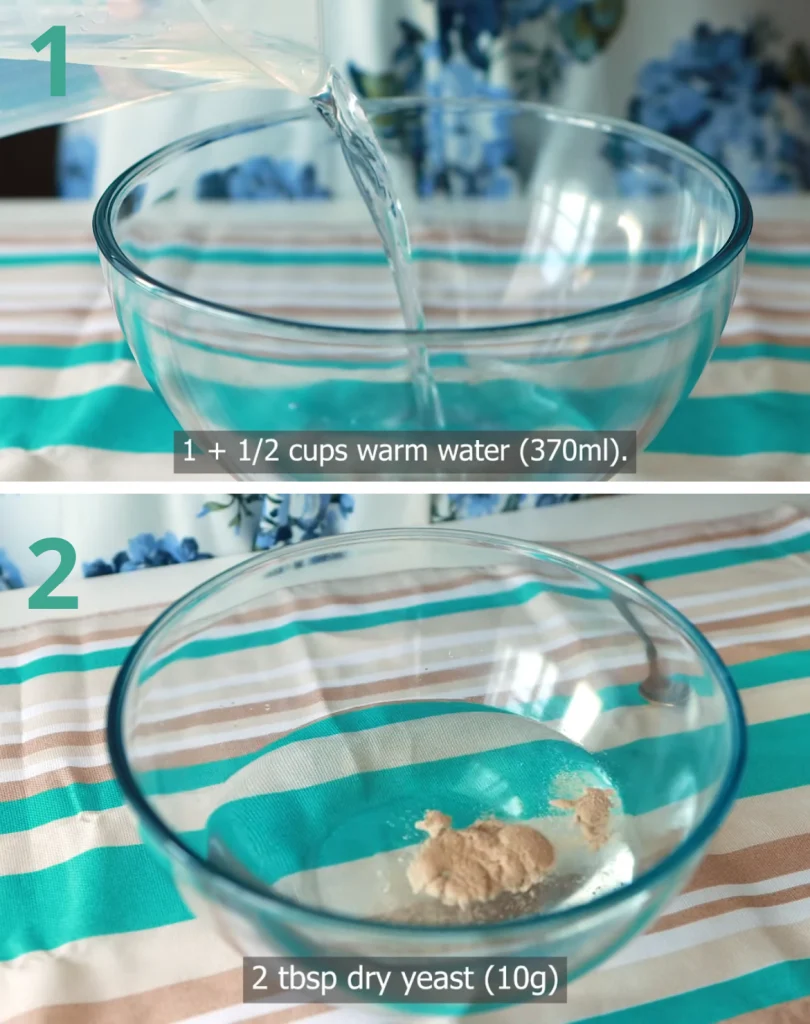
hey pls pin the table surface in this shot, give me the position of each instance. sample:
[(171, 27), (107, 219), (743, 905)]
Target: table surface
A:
[(733, 947), (75, 406)]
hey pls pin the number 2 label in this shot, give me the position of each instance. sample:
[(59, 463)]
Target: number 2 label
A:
[(56, 38), (42, 599)]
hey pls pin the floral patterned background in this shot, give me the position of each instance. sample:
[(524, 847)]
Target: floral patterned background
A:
[(120, 534), (730, 77)]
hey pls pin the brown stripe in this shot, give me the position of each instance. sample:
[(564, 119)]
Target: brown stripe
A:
[(76, 640), (766, 338), (768, 232), (67, 738), (57, 779), (744, 867), (753, 863), (785, 615), (336, 695), (139, 613), (165, 1005), (263, 708), (284, 601), (725, 906), (59, 341)]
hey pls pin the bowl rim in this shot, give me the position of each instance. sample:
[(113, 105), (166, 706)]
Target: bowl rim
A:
[(265, 900), (113, 196)]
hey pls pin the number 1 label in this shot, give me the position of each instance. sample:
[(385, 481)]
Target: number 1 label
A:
[(56, 38)]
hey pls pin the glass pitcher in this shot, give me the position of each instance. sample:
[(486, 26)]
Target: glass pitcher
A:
[(65, 59)]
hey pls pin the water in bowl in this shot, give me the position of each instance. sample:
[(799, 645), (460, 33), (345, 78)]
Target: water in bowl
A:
[(327, 815), (342, 110)]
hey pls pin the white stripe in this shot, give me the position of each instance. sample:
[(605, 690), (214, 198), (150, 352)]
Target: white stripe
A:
[(700, 897), (72, 380), (718, 597), (35, 710), (82, 649), (32, 771), (233, 1014), (76, 326), (734, 922)]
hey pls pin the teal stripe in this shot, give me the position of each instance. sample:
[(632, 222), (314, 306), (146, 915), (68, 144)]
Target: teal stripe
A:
[(18, 815), (275, 835), (771, 258), (178, 780), (711, 560), (421, 254), (57, 804), (778, 668), (112, 419), (27, 901), (337, 257), (306, 834), (651, 772), (59, 357), (731, 427), (102, 892), (715, 1004), (88, 661), (48, 259), (777, 757), (762, 350), (315, 258), (50, 357)]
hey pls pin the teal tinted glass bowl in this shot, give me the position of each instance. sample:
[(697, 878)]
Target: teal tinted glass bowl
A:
[(579, 279), (280, 730)]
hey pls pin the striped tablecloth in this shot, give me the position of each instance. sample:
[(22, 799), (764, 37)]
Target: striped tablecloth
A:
[(74, 406), (92, 931)]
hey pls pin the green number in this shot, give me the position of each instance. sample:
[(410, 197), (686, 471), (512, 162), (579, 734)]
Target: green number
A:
[(56, 38), (42, 600)]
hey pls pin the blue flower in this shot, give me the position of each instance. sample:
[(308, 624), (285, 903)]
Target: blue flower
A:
[(262, 177), (321, 517), (346, 504), (77, 159), (146, 551), (469, 21), (721, 93), (473, 506), (518, 11), (213, 185), (464, 152), (10, 577), (97, 568)]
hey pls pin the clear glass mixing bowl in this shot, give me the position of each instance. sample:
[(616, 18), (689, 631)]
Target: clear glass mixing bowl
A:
[(585, 290), (281, 729)]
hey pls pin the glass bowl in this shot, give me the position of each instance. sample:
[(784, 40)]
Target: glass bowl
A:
[(576, 273), (280, 731)]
